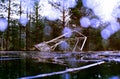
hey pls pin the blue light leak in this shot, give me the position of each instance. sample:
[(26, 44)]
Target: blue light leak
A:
[(114, 77), (105, 33), (85, 22), (95, 23), (68, 3), (106, 13), (3, 24), (64, 45), (113, 27), (47, 30), (28, 5), (65, 3), (6, 59), (23, 20), (67, 31), (55, 13), (110, 30), (66, 76)]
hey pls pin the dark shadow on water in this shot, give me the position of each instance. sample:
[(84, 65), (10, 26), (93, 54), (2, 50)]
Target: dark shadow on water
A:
[(12, 69)]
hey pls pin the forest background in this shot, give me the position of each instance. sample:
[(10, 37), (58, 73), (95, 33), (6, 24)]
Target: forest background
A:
[(24, 36)]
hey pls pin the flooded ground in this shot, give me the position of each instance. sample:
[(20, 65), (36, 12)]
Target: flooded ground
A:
[(13, 66)]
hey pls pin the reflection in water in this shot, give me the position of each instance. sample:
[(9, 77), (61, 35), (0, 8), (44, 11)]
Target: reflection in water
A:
[(114, 77), (26, 67), (65, 76)]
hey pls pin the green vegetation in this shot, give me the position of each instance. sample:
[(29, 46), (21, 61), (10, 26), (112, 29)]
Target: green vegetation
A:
[(19, 37)]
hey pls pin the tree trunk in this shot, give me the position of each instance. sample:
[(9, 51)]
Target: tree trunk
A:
[(63, 24), (27, 34), (37, 28), (27, 37), (7, 37), (20, 28)]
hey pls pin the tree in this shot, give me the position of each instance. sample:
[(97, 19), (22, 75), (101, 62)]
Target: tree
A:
[(20, 27), (7, 37)]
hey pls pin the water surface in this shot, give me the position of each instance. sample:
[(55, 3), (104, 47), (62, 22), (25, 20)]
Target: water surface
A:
[(19, 67)]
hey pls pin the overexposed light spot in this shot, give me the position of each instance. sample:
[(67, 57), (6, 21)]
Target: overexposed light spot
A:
[(3, 24), (23, 19), (107, 11), (85, 22), (95, 23), (47, 30), (64, 45), (105, 33), (67, 31)]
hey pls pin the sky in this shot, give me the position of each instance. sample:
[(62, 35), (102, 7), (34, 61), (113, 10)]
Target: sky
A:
[(27, 7), (104, 12)]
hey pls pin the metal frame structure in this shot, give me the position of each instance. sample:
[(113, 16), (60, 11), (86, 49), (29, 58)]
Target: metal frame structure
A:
[(49, 46)]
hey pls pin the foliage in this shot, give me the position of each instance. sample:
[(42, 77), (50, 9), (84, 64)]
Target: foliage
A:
[(25, 37)]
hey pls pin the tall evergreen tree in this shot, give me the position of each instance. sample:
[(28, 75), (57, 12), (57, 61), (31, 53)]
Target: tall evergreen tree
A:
[(7, 37)]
